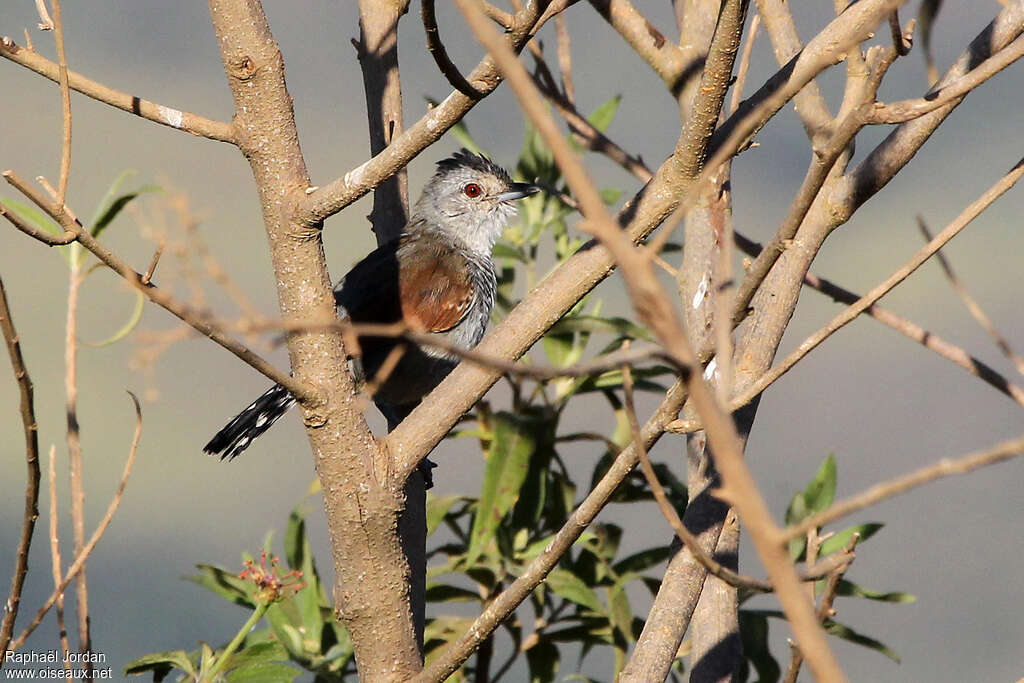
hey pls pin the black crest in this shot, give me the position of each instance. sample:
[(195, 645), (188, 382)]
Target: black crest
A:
[(466, 159)]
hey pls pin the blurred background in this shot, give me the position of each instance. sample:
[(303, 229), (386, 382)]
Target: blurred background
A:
[(880, 403)]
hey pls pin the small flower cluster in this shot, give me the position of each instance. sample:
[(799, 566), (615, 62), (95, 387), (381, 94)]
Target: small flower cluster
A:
[(271, 586)]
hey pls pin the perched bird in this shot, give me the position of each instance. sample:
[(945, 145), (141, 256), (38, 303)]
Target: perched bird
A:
[(437, 276)]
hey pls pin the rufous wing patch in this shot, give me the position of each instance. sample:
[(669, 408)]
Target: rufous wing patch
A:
[(436, 293)]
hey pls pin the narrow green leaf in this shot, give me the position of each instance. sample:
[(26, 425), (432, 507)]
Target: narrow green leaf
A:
[(593, 323), (32, 216), (620, 614), (126, 329), (40, 221), (559, 348), (440, 592), (112, 211), (263, 672), (308, 602), (258, 653), (224, 583), (508, 462), (161, 663), (850, 589), (507, 251), (846, 633), (841, 539), (569, 586), (542, 659), (602, 117), (610, 195), (643, 560), (821, 492), (437, 510), (754, 633)]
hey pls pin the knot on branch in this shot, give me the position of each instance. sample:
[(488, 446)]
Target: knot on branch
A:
[(243, 68)]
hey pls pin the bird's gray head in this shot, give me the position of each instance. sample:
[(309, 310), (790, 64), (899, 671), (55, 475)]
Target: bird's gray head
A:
[(471, 198)]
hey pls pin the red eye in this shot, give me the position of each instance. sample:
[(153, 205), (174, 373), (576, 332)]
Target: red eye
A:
[(472, 190)]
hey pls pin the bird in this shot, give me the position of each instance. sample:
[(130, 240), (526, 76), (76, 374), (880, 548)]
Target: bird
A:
[(437, 276)]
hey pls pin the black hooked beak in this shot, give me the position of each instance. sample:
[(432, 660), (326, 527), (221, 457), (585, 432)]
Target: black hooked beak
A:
[(518, 191)]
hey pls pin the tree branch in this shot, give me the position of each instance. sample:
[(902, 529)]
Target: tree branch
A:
[(158, 296), (339, 193), (101, 528), (158, 113), (31, 430), (887, 489)]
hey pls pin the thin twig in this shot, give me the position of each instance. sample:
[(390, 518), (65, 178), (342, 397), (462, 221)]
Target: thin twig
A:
[(899, 42), (437, 50), (498, 609), (972, 305), (688, 539), (55, 561), (657, 310), (158, 113), (907, 328), (565, 58), (108, 516), (887, 489), (900, 112), (334, 196), (744, 66), (822, 162), (45, 21), (74, 442), (851, 312), (825, 610), (65, 102), (196, 319), (147, 277), (28, 420)]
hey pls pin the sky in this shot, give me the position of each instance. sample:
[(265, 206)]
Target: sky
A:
[(880, 403)]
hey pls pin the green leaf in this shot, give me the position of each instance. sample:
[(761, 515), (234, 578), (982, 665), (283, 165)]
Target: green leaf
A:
[(821, 492), (437, 510), (841, 539), (593, 323), (126, 329), (818, 495), (507, 251), (224, 583), (440, 592), (296, 548), (37, 219), (559, 349), (850, 589), (264, 672), (508, 462), (602, 117), (569, 586), (440, 630), (610, 195), (112, 203), (258, 653), (309, 601), (643, 560), (542, 659), (754, 633), (161, 663), (846, 633), (620, 614)]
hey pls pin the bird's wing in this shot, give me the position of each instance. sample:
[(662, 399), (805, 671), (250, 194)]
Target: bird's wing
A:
[(431, 290)]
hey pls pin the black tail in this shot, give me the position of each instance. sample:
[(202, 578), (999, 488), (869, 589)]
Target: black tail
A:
[(236, 436)]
